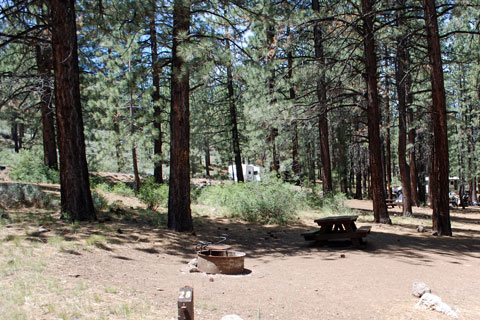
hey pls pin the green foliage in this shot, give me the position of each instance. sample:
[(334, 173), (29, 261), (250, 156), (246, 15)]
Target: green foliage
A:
[(154, 195), (99, 202), (269, 201), (334, 204), (95, 181), (14, 195), (123, 189), (103, 186), (28, 166)]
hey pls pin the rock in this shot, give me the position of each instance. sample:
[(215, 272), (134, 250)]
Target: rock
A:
[(231, 317), (192, 266), (420, 229), (430, 301), (42, 230), (420, 288), (434, 233), (342, 255)]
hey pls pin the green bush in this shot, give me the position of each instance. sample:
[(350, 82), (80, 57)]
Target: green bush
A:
[(122, 189), (334, 204), (99, 202), (14, 195), (154, 195), (103, 187), (269, 201), (28, 166)]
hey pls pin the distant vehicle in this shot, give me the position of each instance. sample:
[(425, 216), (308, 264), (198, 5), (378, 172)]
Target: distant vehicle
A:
[(250, 172)]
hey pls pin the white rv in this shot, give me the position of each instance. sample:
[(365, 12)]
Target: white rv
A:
[(250, 172)]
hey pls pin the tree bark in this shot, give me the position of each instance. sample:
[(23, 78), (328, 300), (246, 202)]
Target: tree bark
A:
[(388, 146), (207, 158), (322, 103), (401, 68), (157, 112), (76, 199), (234, 125), (292, 96), (44, 65), (14, 132), (440, 165), (373, 114), (179, 212), (412, 158)]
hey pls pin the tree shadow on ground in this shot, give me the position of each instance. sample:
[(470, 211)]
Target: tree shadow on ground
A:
[(400, 241)]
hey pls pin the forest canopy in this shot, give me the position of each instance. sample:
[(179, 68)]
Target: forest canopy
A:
[(364, 96)]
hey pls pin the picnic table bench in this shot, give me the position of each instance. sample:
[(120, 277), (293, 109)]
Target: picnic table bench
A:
[(339, 227)]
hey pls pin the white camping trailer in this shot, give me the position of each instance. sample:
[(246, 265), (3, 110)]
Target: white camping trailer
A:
[(250, 172)]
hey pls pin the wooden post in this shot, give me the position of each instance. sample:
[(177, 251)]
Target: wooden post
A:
[(185, 303)]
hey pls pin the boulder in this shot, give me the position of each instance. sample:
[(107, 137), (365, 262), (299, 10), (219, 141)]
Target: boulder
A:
[(420, 288), (430, 301)]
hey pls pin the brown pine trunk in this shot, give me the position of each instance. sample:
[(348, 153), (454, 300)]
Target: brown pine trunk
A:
[(14, 132), (157, 121), (388, 155), (358, 185), (234, 125), (295, 164), (118, 145), (179, 212), (44, 65), (473, 191), (402, 92), (373, 113), (207, 158), (76, 199), (440, 166), (322, 103), (412, 159)]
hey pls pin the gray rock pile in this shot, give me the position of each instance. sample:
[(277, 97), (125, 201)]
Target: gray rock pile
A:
[(429, 301)]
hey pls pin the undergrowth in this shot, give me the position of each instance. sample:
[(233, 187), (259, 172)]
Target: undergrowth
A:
[(269, 201), (14, 195), (154, 195), (28, 166)]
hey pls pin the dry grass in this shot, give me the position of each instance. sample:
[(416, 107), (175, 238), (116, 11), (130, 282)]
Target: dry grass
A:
[(30, 290)]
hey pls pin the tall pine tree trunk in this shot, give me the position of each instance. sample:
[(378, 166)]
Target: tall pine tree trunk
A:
[(14, 133), (373, 114), (179, 212), (44, 65), (234, 125), (388, 146), (401, 68), (292, 96), (412, 158), (76, 199), (157, 121), (440, 166), (207, 158), (322, 103)]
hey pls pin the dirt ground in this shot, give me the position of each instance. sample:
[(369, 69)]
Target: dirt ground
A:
[(286, 277)]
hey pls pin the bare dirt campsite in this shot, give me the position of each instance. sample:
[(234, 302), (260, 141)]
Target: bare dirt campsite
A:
[(123, 268)]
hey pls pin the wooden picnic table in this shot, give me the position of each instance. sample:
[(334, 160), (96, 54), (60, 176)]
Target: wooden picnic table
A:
[(338, 227)]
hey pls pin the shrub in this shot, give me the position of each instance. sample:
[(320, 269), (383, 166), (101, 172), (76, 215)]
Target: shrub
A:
[(28, 166), (154, 195), (334, 204), (103, 186), (99, 202), (13, 195), (123, 189), (269, 201)]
